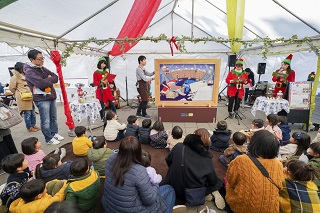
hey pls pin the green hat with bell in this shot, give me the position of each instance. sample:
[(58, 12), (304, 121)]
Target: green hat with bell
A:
[(239, 61)]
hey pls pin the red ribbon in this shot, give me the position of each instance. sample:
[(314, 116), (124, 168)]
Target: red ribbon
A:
[(173, 40), (55, 57)]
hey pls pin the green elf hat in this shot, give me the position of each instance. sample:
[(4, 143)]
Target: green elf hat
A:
[(288, 59), (239, 61), (102, 59)]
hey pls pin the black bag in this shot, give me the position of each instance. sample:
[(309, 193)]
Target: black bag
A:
[(194, 196)]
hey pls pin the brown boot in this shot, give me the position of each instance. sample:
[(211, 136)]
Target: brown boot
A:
[(32, 130), (37, 128)]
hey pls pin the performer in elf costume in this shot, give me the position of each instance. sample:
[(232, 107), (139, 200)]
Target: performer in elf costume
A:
[(283, 76), (236, 79), (103, 92)]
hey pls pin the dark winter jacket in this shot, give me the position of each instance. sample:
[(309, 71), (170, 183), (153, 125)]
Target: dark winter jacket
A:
[(285, 128), (144, 135), (60, 173), (84, 191), (132, 130), (158, 140), (99, 158), (136, 195), (38, 77), (220, 140), (198, 165)]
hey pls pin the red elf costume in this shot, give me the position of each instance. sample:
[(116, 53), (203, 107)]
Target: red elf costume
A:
[(236, 79), (283, 76), (98, 75)]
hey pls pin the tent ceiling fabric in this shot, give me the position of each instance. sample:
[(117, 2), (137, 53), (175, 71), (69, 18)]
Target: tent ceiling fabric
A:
[(174, 18)]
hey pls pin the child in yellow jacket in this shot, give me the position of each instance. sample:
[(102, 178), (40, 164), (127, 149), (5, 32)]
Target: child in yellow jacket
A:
[(34, 197), (81, 144)]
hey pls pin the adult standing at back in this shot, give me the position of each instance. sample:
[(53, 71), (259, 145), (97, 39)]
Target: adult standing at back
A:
[(142, 78), (18, 84), (40, 81)]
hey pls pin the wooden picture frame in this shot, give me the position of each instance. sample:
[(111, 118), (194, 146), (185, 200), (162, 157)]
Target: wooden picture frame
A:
[(187, 82)]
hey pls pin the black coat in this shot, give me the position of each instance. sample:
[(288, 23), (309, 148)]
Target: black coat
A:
[(132, 130), (198, 166), (220, 140), (144, 135)]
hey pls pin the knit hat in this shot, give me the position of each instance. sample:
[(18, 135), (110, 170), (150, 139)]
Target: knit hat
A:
[(102, 59), (239, 61), (288, 59)]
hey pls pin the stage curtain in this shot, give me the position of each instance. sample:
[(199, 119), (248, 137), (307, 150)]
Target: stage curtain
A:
[(138, 20), (235, 19)]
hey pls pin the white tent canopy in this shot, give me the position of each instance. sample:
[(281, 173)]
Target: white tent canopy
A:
[(42, 24)]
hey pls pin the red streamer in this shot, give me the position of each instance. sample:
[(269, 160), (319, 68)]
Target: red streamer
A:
[(138, 20), (55, 57), (173, 40)]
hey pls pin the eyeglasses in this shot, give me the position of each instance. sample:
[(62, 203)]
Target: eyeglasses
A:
[(40, 59)]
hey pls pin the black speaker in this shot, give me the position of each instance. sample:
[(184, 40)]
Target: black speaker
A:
[(108, 61), (261, 68), (232, 60)]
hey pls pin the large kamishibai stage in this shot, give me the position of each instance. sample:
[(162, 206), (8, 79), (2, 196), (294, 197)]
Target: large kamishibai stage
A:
[(187, 89)]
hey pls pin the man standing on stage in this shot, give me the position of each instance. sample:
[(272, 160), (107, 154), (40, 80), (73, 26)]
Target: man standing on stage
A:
[(142, 78), (236, 78)]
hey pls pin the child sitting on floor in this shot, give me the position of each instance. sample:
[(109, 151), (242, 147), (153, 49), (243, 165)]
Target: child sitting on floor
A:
[(81, 144), (158, 136), (285, 128), (34, 197), (299, 143), (314, 159), (132, 126), (299, 193), (238, 148), (52, 168), (113, 131), (17, 166), (83, 190), (146, 162), (220, 137), (175, 137), (99, 154), (256, 125), (272, 121), (31, 148), (144, 131)]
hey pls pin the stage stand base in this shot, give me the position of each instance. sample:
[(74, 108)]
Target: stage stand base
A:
[(187, 114)]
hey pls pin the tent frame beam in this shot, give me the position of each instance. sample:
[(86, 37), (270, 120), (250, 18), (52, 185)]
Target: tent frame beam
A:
[(300, 19)]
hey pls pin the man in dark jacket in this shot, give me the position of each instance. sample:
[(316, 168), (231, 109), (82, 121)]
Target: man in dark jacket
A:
[(41, 80)]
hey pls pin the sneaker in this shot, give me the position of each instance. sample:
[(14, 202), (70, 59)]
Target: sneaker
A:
[(53, 141), (179, 209), (218, 200), (58, 137), (146, 116), (71, 133), (138, 115)]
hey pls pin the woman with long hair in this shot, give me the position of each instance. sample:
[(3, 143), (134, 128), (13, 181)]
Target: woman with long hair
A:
[(103, 92), (127, 187)]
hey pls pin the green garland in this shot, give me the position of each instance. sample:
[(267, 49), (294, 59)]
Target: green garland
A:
[(267, 42)]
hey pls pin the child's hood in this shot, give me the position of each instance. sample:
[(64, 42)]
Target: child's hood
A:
[(96, 154)]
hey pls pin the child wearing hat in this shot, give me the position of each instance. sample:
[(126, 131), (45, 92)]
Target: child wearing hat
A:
[(103, 92), (283, 76), (236, 79)]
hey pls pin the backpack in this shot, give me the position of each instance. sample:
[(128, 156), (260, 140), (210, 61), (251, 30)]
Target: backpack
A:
[(10, 193)]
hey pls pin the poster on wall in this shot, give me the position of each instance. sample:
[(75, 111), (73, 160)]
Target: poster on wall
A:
[(187, 82), (299, 95)]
